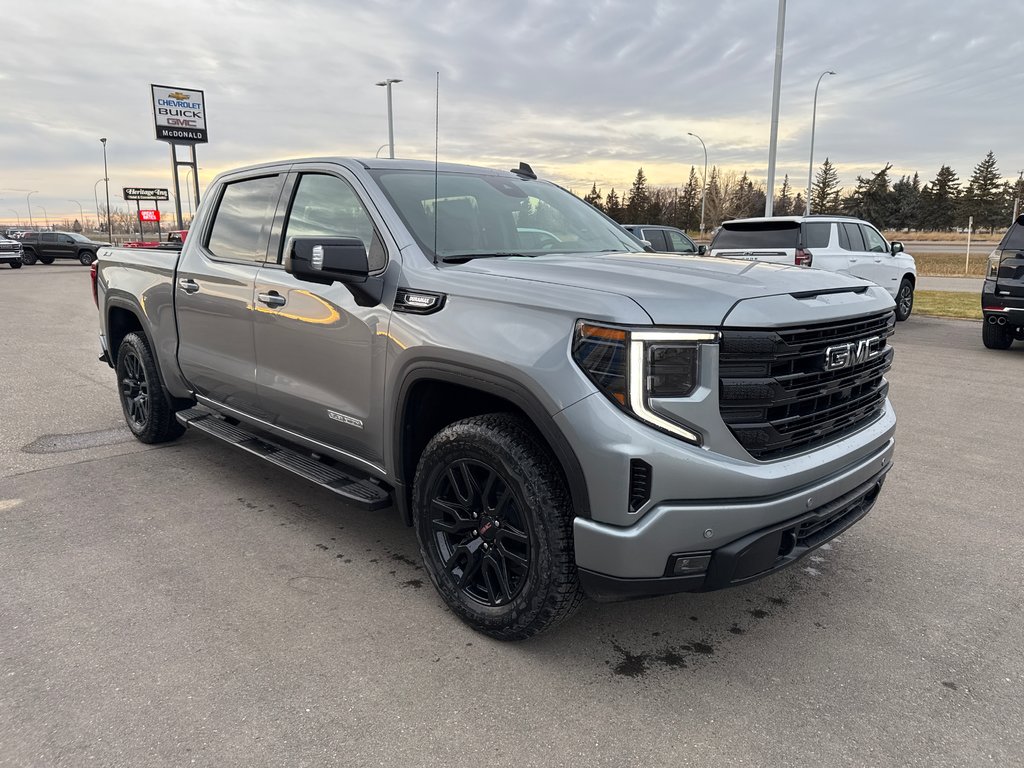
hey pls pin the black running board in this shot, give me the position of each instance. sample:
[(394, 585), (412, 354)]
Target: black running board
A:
[(361, 493)]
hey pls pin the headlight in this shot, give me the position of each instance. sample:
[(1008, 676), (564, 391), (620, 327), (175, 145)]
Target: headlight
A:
[(632, 366)]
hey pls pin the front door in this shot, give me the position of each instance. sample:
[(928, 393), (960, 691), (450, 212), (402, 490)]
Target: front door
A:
[(320, 356), (214, 292), (879, 265)]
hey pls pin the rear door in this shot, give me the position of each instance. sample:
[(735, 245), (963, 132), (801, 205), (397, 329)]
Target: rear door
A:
[(214, 290), (656, 237), (1010, 278), (320, 355), (65, 247)]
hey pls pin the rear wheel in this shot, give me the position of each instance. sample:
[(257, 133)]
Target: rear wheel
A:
[(144, 401), (904, 299), (86, 257), (46, 259), (996, 336), (494, 523)]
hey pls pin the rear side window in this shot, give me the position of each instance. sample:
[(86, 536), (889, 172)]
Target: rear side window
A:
[(656, 237), (817, 234), (1013, 240), (853, 240), (241, 225), (771, 234), (49, 238)]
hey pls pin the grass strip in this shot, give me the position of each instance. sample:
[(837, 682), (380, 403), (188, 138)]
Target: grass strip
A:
[(958, 304)]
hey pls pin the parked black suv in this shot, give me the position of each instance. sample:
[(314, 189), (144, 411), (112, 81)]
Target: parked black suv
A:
[(1002, 296), (48, 246)]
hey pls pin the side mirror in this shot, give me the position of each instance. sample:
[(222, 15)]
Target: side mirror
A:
[(328, 260), (702, 250), (895, 247)]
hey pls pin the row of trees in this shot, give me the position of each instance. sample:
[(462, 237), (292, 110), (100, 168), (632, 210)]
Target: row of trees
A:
[(940, 205)]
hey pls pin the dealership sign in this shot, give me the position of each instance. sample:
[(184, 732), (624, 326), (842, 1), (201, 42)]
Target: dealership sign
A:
[(180, 115), (149, 215), (145, 193)]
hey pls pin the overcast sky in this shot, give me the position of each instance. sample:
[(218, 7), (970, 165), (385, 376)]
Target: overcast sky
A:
[(584, 90)]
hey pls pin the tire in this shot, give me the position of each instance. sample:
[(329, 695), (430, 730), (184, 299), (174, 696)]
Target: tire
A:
[(144, 401), (46, 259), (996, 336), (15, 264), (494, 524), (86, 257), (904, 299), (28, 257)]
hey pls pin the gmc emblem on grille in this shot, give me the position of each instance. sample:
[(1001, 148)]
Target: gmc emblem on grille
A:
[(847, 355)]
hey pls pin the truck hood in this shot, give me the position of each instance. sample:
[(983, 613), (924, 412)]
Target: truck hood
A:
[(698, 290)]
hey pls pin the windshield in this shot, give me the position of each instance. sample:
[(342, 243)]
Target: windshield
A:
[(486, 215)]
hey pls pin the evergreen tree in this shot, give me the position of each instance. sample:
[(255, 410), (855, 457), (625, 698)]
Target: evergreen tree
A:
[(639, 202), (982, 198), (871, 199), (714, 201), (594, 197), (825, 190), (689, 203), (799, 204), (783, 205), (613, 207), (906, 203), (939, 201)]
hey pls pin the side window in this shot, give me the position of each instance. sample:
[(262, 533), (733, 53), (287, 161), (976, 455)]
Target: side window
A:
[(844, 241), (65, 240), (327, 206), (241, 224), (679, 243), (854, 240), (48, 237), (817, 234), (874, 241), (656, 237)]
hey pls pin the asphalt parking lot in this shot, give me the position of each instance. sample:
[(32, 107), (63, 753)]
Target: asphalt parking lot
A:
[(188, 604)]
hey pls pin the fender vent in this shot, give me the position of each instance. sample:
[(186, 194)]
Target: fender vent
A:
[(639, 484)]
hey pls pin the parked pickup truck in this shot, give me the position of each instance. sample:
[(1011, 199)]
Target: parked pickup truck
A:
[(556, 414), (49, 246)]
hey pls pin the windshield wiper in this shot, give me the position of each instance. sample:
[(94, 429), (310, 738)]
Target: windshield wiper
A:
[(463, 257)]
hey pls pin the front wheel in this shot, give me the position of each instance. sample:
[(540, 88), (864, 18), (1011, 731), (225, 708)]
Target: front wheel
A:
[(904, 299), (28, 257), (15, 264), (86, 257), (996, 336), (144, 401), (494, 524)]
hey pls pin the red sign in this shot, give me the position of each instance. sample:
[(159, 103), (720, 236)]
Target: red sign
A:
[(149, 215)]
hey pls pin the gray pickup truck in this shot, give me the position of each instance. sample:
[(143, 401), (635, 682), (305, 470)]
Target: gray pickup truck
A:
[(556, 412)]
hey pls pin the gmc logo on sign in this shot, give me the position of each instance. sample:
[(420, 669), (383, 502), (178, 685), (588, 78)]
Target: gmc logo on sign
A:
[(848, 355)]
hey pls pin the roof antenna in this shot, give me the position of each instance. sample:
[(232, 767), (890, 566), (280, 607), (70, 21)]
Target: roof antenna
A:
[(437, 116)]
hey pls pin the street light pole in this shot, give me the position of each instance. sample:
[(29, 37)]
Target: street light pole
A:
[(391, 122), (28, 202), (16, 215), (106, 186), (46, 217), (80, 212), (704, 185), (810, 165), (96, 201), (773, 141)]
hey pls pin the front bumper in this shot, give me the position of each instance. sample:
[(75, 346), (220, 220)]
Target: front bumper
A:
[(749, 557), (6, 257)]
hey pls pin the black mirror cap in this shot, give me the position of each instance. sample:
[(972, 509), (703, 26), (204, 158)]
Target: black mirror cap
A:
[(895, 247), (702, 250), (326, 259)]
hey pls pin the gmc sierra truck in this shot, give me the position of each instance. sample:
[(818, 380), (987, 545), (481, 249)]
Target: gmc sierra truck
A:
[(555, 410)]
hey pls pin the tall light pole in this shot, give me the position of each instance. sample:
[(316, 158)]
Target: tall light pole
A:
[(810, 165), (391, 121), (80, 212), (377, 153), (46, 217), (704, 185), (28, 202), (773, 141), (16, 215), (96, 200), (106, 186), (188, 191)]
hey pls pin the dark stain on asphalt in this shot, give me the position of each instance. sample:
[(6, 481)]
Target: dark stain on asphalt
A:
[(670, 657), (405, 559), (61, 443), (736, 630), (631, 665), (414, 583), (322, 546), (778, 601), (704, 649), (949, 684), (757, 613)]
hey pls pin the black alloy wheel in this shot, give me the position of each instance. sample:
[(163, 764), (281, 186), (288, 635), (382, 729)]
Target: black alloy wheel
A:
[(148, 408), (46, 259), (494, 521), (134, 390), (86, 257), (480, 532), (904, 300), (28, 258)]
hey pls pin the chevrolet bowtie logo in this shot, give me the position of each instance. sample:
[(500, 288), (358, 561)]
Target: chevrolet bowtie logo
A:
[(179, 96)]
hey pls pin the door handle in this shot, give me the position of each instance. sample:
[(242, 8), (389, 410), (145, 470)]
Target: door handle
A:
[(272, 299), (188, 285)]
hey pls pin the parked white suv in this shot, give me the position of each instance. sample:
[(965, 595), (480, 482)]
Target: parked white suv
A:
[(833, 243)]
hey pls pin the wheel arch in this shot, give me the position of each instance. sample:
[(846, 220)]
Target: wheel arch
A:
[(447, 393), (124, 316)]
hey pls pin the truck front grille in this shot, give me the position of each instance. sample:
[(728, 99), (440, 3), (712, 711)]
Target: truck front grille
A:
[(776, 396)]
